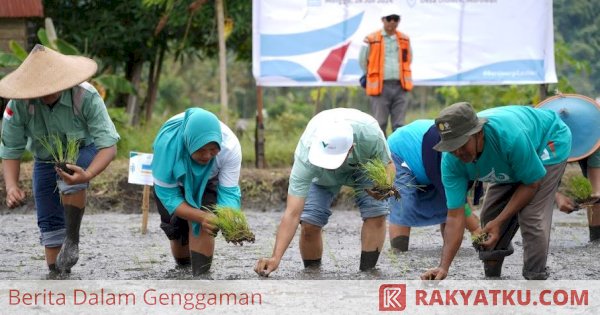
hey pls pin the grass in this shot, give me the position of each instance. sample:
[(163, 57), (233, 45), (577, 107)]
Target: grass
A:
[(61, 153), (478, 239), (578, 188), (375, 171), (233, 225)]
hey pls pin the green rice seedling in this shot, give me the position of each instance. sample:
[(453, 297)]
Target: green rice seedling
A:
[(478, 239), (375, 171), (61, 154), (579, 188), (233, 225)]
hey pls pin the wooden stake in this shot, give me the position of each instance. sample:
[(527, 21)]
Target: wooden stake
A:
[(145, 208)]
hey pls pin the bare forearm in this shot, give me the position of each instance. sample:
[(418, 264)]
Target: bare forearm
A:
[(285, 234), (288, 226), (185, 211), (453, 235), (11, 169), (101, 160), (391, 171)]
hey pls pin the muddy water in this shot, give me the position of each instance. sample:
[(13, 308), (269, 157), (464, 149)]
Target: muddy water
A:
[(113, 248)]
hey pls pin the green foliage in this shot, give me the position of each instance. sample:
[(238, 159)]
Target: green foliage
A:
[(578, 188), (139, 139), (577, 45), (478, 239), (233, 225), (60, 151), (375, 171)]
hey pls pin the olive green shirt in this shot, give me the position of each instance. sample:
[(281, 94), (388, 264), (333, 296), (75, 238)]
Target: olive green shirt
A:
[(25, 122)]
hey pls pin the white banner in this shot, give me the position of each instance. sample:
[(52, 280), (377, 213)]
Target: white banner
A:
[(454, 42), (300, 297)]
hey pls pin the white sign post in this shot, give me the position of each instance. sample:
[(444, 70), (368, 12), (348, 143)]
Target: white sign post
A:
[(140, 173)]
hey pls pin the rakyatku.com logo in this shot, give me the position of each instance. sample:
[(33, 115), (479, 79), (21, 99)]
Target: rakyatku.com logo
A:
[(392, 297)]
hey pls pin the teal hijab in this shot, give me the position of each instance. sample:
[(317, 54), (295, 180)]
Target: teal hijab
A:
[(174, 145)]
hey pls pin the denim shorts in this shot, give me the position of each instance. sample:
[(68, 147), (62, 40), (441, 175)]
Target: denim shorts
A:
[(317, 207), (50, 212), (419, 205)]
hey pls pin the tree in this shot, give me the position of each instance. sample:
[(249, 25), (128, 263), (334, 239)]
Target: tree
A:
[(125, 36)]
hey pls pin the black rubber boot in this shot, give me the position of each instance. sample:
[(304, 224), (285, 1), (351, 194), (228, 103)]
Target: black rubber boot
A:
[(200, 263), (368, 260), (312, 263), (69, 253), (400, 243), (493, 260), (493, 268), (183, 262), (53, 272), (594, 233)]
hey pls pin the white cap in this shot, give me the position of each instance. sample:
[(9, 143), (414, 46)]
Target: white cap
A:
[(390, 10), (331, 144)]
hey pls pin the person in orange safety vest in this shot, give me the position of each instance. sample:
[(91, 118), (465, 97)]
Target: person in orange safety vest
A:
[(386, 60)]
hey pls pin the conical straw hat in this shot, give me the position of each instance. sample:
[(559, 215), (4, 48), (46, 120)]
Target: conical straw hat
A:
[(46, 72)]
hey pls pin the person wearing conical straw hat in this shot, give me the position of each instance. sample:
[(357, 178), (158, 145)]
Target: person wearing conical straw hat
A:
[(50, 99)]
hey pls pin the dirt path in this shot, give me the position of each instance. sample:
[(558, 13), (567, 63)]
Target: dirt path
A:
[(113, 248)]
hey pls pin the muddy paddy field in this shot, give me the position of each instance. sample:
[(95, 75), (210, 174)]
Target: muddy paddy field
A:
[(113, 248)]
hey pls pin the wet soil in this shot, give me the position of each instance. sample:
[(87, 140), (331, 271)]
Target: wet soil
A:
[(112, 247)]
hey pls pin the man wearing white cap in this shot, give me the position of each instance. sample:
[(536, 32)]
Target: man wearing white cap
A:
[(329, 155), (49, 97), (386, 61)]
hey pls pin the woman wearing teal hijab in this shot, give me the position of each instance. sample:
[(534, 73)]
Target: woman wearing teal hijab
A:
[(184, 154)]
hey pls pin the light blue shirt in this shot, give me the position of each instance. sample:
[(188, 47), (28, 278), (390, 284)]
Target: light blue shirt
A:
[(406, 142)]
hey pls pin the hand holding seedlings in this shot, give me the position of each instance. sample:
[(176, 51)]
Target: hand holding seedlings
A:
[(77, 175), (565, 204), (208, 223), (478, 239), (492, 229), (383, 183), (15, 197)]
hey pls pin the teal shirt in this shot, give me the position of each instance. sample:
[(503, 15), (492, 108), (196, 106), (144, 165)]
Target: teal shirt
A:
[(518, 142), (369, 143), (27, 121)]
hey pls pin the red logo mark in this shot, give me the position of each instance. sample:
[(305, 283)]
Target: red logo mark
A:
[(392, 297)]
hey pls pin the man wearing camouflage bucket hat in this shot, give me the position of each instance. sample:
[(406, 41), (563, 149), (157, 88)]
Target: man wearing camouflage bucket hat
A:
[(522, 153), (50, 98)]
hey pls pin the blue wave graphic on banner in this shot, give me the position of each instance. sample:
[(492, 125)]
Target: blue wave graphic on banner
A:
[(308, 42), (352, 67), (287, 69), (514, 70)]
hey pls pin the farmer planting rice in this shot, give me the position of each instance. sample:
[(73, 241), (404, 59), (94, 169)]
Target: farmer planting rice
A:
[(50, 98), (196, 166), (329, 154), (419, 179), (522, 153)]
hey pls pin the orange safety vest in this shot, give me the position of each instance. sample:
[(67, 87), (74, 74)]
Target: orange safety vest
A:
[(376, 62)]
